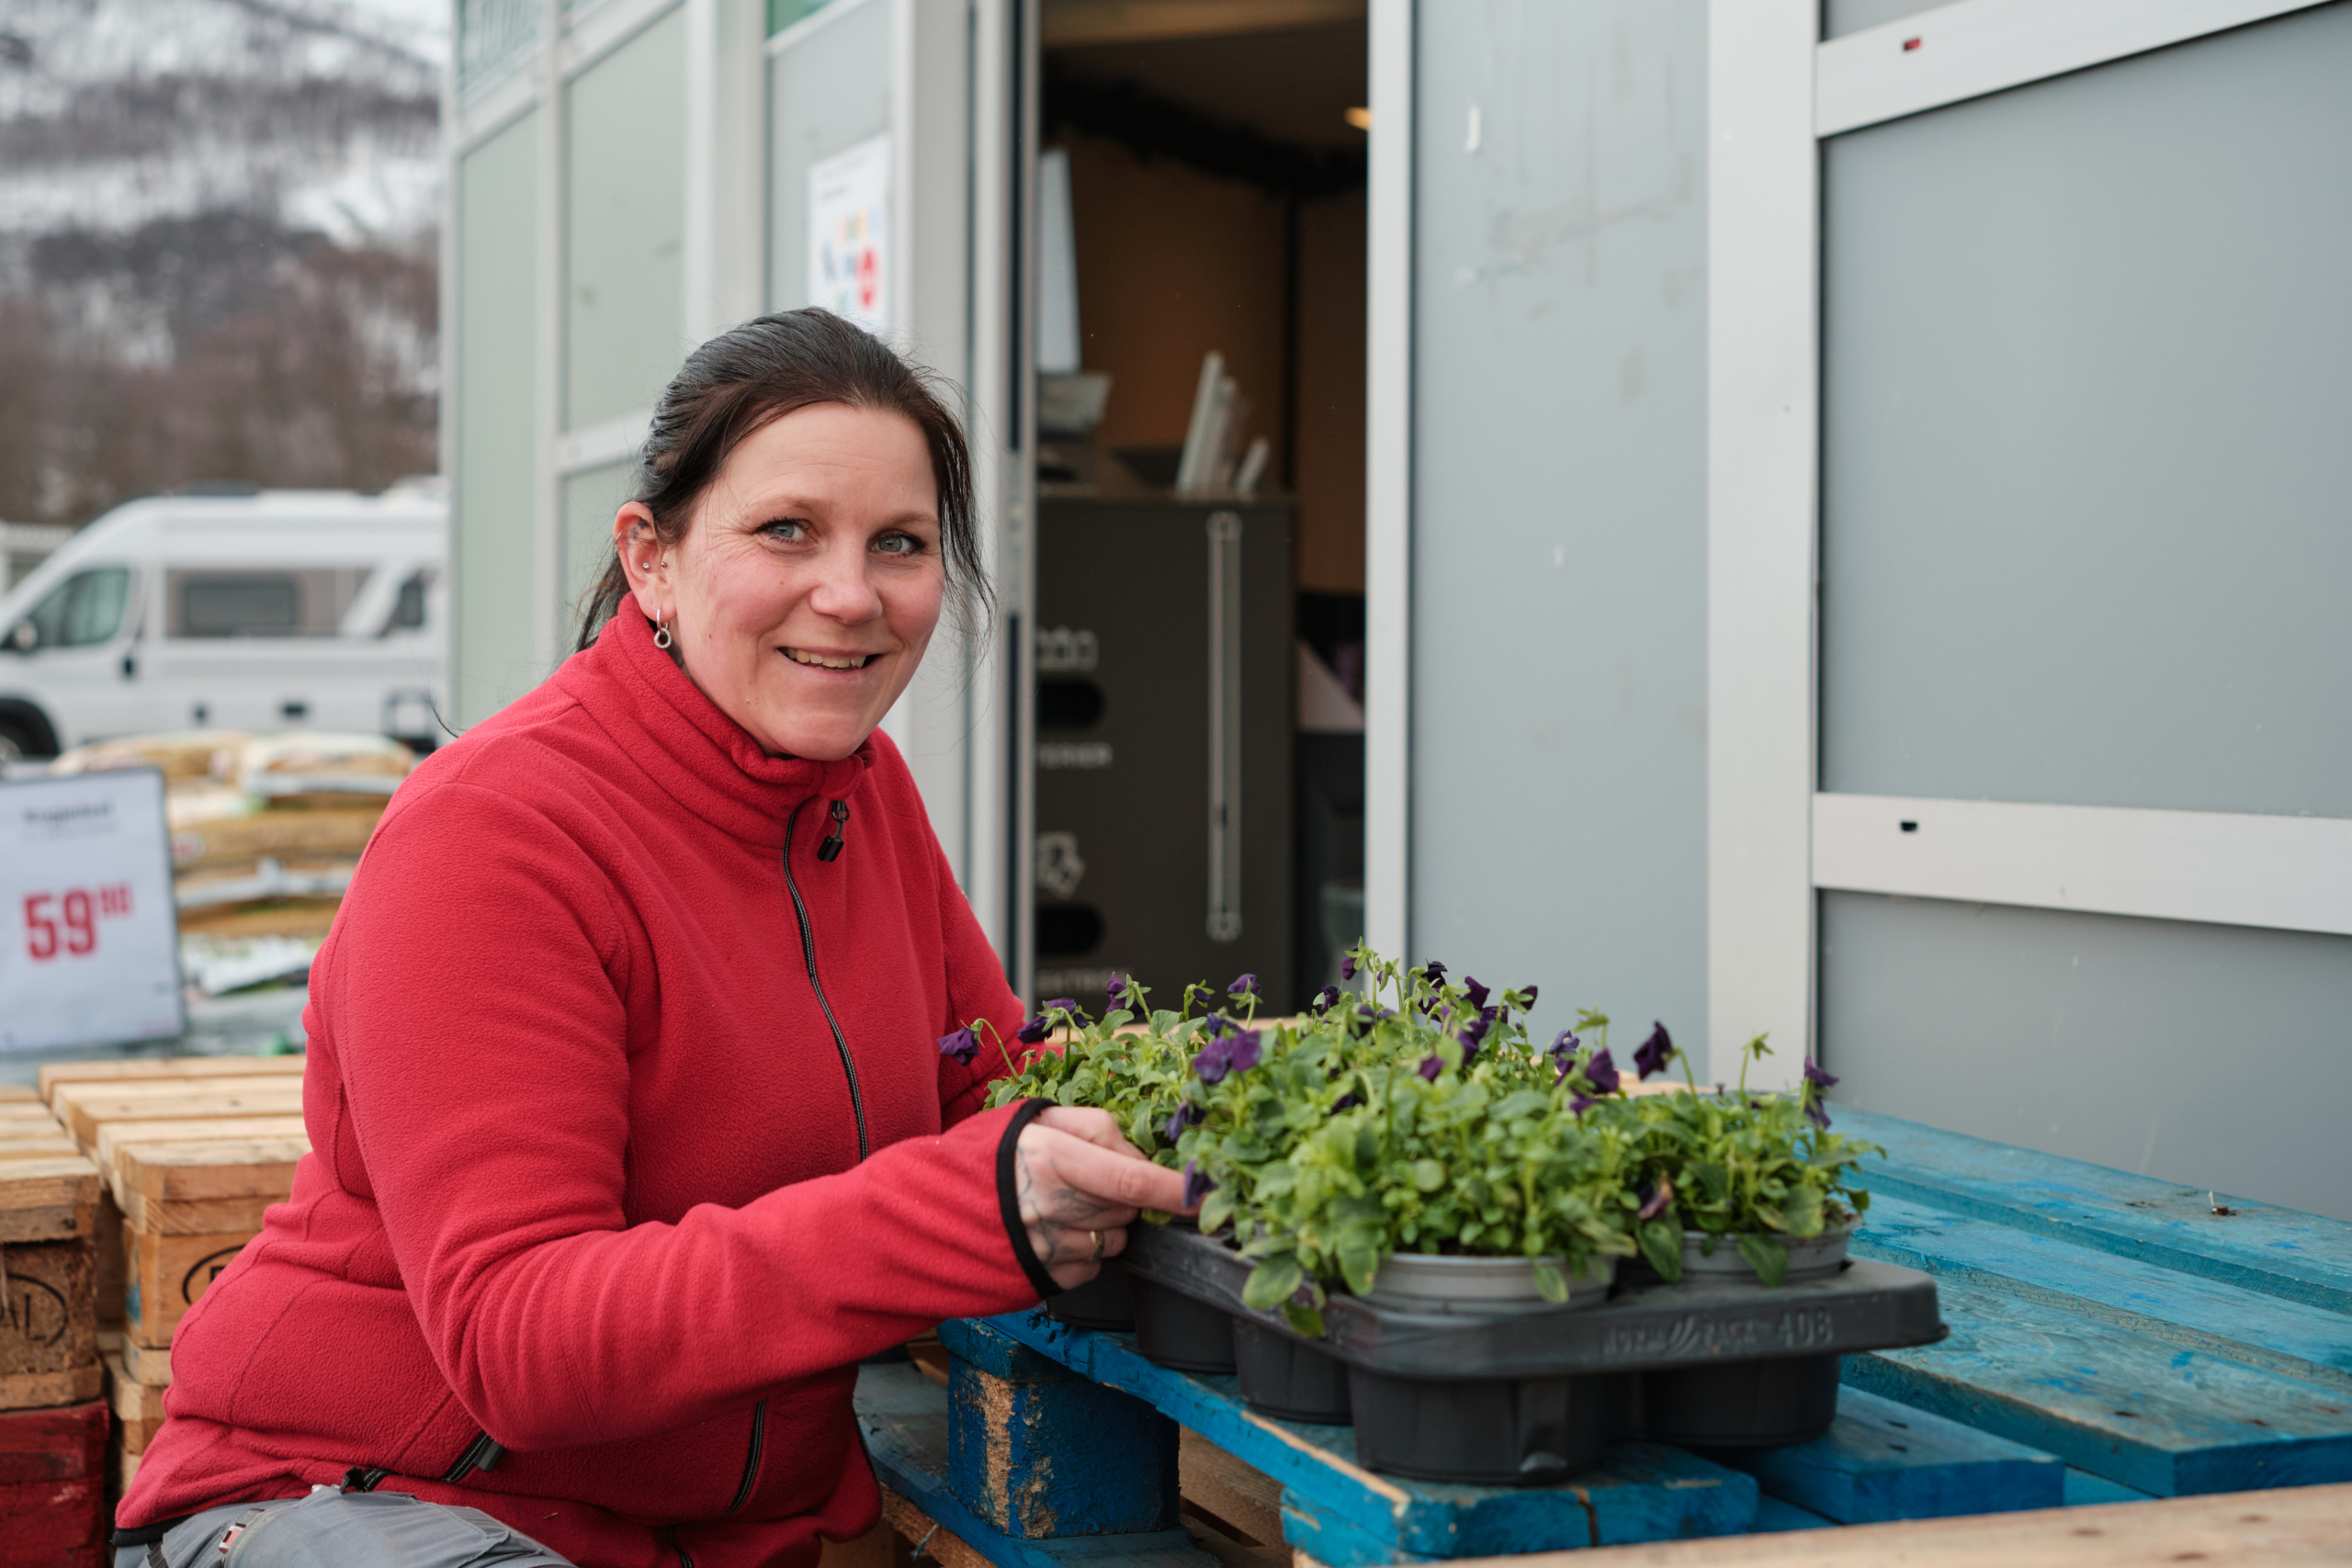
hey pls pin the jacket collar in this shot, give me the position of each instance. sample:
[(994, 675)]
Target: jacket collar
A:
[(702, 758)]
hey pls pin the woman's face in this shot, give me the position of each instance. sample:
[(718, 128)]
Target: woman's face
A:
[(806, 588)]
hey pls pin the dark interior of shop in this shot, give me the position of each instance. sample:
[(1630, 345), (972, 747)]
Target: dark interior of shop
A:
[(1215, 205)]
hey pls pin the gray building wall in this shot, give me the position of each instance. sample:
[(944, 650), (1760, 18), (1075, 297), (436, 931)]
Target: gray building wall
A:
[(1558, 787)]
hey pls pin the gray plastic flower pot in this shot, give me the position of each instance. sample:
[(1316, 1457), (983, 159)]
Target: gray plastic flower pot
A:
[(1817, 1258), (1176, 1331), (1287, 1380), (1744, 1404), (1105, 1301), (1481, 1287), (1482, 1432)]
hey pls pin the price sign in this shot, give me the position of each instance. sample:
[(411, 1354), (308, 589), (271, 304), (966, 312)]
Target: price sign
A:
[(89, 942)]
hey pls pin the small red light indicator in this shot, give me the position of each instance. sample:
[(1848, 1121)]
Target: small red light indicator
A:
[(1909, 44)]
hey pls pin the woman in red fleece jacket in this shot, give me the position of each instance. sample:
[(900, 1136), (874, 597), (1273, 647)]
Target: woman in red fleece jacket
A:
[(631, 1130)]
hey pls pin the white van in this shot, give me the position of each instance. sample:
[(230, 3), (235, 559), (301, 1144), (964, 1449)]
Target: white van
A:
[(267, 610)]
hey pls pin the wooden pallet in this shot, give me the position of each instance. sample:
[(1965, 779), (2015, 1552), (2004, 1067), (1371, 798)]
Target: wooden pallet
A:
[(2115, 1340)]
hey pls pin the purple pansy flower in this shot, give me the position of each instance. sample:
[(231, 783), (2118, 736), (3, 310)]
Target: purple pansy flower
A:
[(1431, 1066), (1602, 1073), (1435, 971), (1821, 1082), (1116, 987), (1348, 968), (1325, 999), (1033, 1032), (1244, 986), (1564, 1045), (1654, 1205), (1347, 1102), (963, 1045), (1236, 1051), (1183, 1117), (1653, 1052), (1474, 1031), (1578, 1104), (1530, 995), (1475, 993), (1197, 1186)]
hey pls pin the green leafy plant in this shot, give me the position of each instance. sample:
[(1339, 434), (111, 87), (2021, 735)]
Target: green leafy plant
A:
[(1755, 1169), (1433, 1127)]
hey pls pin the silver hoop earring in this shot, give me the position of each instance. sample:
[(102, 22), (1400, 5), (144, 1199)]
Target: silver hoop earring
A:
[(662, 635)]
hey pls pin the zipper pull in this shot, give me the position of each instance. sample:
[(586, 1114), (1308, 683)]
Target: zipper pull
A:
[(830, 850)]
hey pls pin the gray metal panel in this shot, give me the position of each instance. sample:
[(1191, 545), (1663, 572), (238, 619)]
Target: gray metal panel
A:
[(1136, 574), (1559, 505), (2212, 1056), (2086, 531), (1840, 18), (827, 93), (489, 512), (624, 257)]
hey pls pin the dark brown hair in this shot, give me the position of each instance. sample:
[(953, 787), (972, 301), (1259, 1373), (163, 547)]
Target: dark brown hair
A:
[(749, 376)]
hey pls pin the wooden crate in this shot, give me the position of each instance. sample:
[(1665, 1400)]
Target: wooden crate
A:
[(85, 1107), (138, 1406), (189, 1207), (52, 1487), (49, 1352), (154, 1069)]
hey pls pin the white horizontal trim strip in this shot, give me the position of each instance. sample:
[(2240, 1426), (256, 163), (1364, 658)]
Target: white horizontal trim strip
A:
[(2221, 868), (615, 441), (1974, 46), (814, 22)]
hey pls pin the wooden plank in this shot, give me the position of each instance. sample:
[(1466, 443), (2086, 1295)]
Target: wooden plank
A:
[(1641, 1492), (2280, 1252), (48, 1344), (60, 1444), (115, 1136), (2260, 1529), (2084, 1490), (2188, 1310), (150, 1364), (86, 1107), (2158, 1418), (47, 1146), (1231, 1489), (904, 1417), (175, 1171), (48, 1199), (11, 1093), (1774, 1515), (151, 1068), (138, 1406), (166, 1275), (1036, 1452), (1884, 1461)]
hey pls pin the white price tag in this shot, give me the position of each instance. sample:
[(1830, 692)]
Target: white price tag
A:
[(89, 941)]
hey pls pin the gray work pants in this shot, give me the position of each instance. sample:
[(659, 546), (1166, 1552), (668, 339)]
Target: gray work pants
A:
[(334, 1529)]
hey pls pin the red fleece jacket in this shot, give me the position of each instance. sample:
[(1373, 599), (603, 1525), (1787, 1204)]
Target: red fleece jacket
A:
[(585, 1164)]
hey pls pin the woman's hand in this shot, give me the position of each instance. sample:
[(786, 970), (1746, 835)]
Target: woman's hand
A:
[(1077, 1179)]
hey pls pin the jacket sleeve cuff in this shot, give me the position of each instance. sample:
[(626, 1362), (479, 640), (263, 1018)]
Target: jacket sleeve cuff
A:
[(1008, 1198)]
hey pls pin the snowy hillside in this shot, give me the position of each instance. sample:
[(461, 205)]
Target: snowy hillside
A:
[(116, 112), (217, 245)]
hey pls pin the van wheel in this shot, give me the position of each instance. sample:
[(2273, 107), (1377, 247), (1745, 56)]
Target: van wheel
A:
[(23, 733)]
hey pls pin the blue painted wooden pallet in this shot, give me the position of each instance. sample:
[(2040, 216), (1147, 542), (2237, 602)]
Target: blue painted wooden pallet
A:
[(1344, 1514), (2113, 1338), (2113, 1321)]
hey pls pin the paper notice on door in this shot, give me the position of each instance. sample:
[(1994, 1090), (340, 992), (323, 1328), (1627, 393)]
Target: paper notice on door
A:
[(89, 954), (849, 234)]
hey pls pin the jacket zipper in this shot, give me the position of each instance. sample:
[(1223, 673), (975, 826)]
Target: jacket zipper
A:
[(752, 1465), (808, 953), (482, 1453)]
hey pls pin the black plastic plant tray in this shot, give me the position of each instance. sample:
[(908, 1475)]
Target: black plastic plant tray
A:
[(1865, 1306)]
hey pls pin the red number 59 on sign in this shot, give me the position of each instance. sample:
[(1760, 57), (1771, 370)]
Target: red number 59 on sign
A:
[(67, 923)]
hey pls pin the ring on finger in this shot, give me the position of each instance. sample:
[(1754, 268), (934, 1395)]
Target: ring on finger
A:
[(1095, 1255)]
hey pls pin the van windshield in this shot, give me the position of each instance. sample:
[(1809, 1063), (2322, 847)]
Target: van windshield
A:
[(81, 611)]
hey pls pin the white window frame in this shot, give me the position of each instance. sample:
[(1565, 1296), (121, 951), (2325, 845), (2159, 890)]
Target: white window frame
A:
[(1388, 479), (1775, 91)]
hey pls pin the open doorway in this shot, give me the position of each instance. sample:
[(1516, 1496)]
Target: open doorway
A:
[(1199, 555)]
